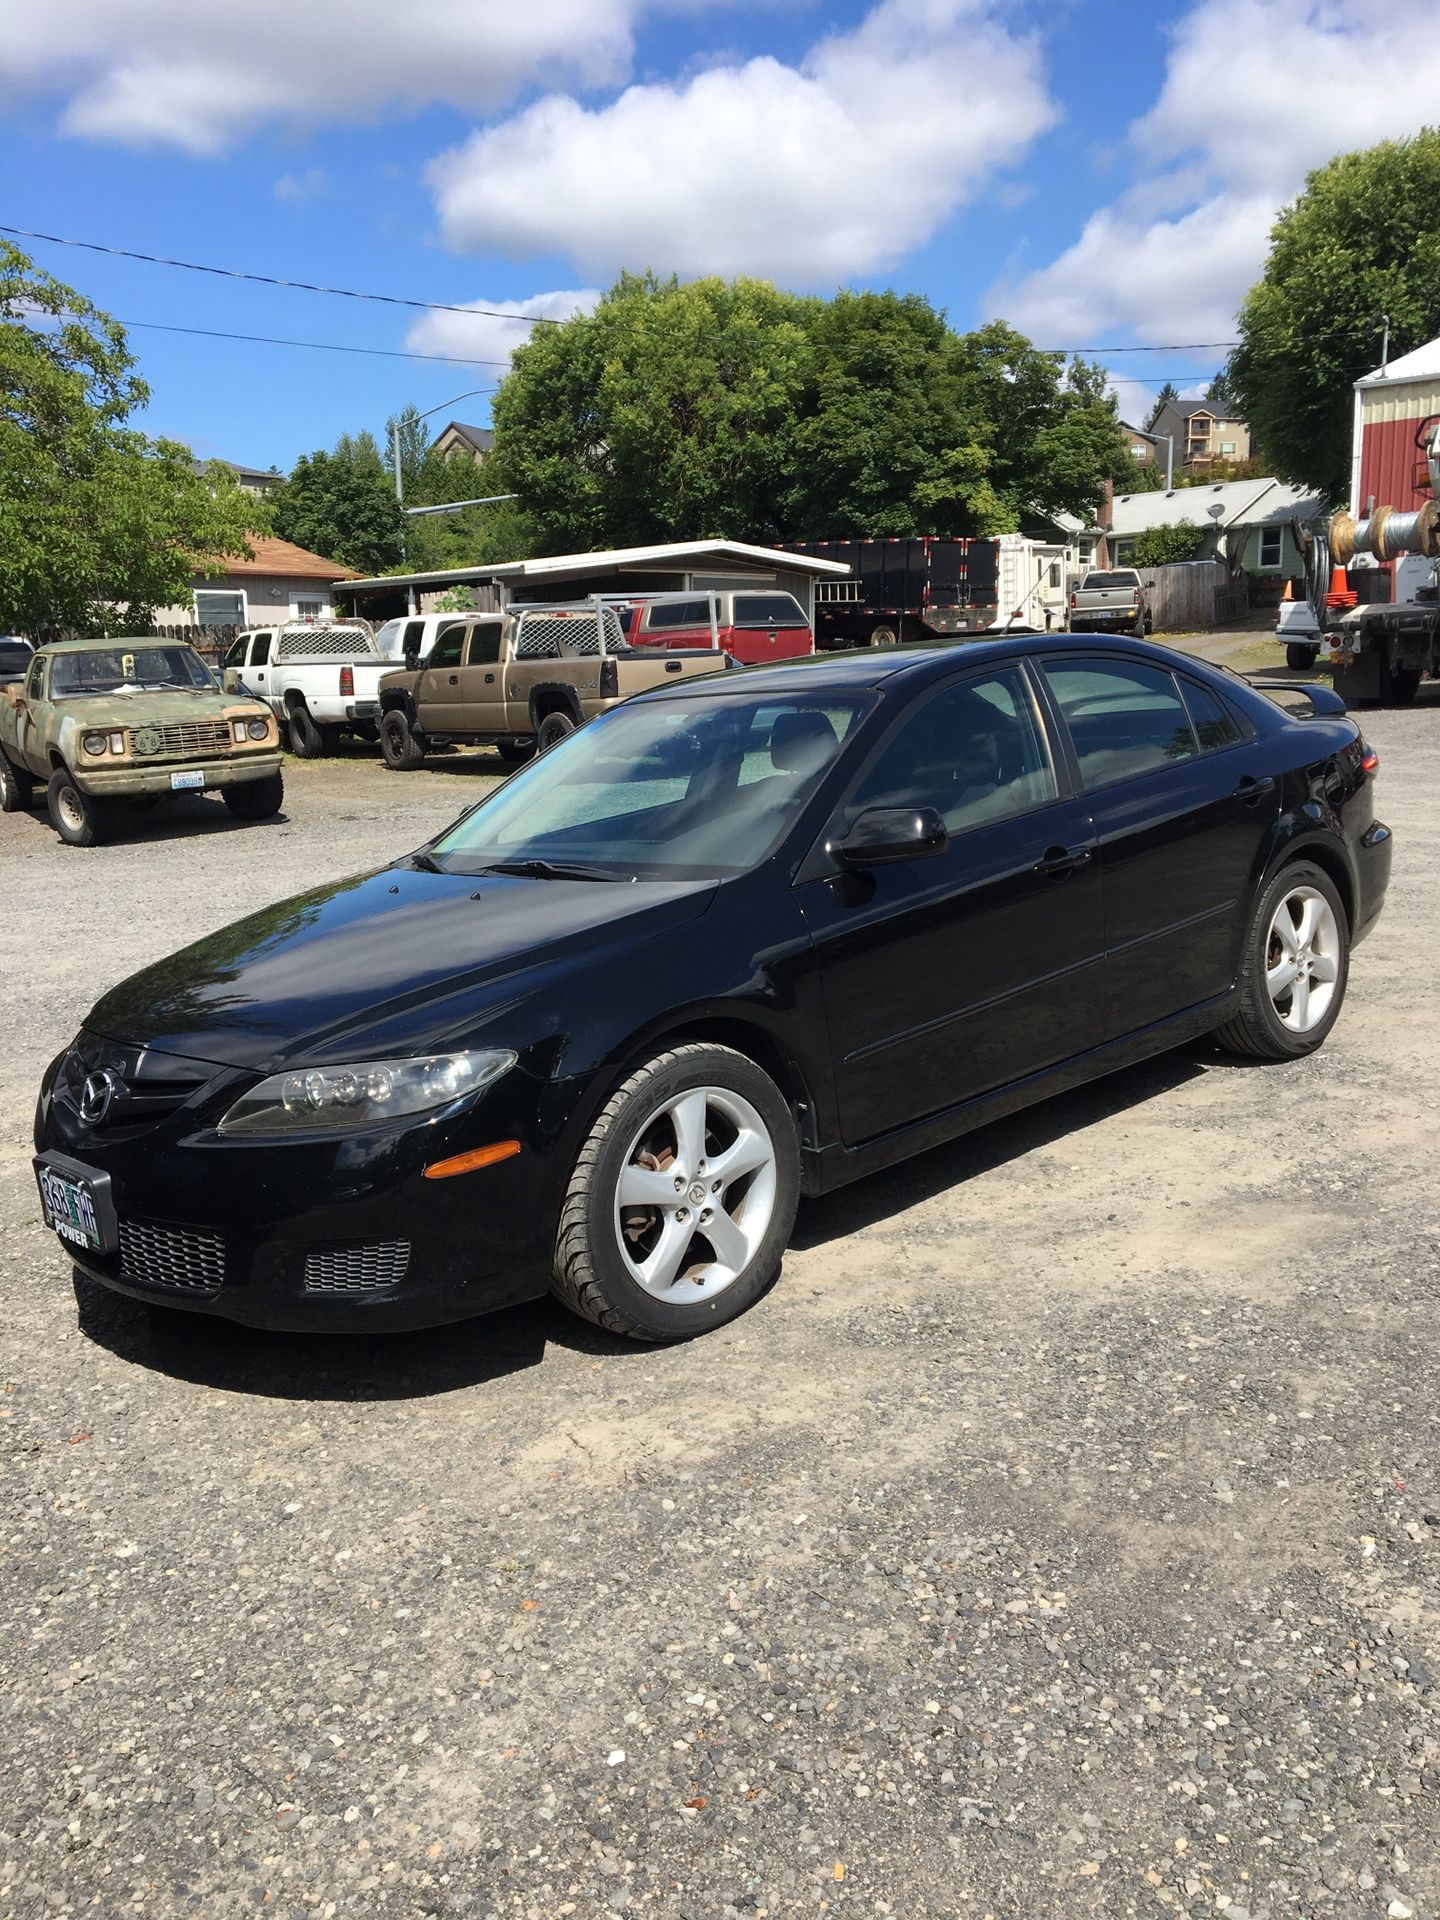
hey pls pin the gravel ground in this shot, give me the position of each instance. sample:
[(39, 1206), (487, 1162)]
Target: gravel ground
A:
[(1059, 1537)]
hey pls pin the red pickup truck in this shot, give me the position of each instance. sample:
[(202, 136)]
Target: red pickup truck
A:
[(751, 624)]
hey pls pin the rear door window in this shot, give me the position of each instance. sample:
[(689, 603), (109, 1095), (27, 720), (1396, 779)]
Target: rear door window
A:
[(260, 652), (1215, 726), (1124, 718), (677, 613), (483, 649)]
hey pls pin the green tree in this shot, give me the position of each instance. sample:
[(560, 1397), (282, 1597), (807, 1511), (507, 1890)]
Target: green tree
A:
[(1361, 241), (1165, 546), (342, 505), (1163, 399), (99, 526)]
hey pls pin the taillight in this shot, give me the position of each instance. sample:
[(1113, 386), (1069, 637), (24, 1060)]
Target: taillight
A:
[(1072, 599), (1369, 759), (347, 680), (609, 678)]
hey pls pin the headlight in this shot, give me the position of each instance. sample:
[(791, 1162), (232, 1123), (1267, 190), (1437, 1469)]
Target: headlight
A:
[(367, 1094), (94, 743), (258, 729)]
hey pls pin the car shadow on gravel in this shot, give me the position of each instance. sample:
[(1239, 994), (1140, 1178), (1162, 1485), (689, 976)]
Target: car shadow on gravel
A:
[(870, 1200), (182, 817), (209, 1352)]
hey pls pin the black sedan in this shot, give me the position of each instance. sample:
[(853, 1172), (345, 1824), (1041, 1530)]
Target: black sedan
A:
[(738, 940)]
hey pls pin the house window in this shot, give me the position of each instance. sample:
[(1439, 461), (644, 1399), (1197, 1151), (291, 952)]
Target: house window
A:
[(308, 606), (1270, 541), (216, 609)]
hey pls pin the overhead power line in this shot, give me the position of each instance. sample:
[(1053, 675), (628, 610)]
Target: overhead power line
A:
[(319, 346)]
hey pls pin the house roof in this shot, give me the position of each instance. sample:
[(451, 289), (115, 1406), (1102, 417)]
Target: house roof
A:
[(258, 474), (1421, 363), (283, 560), (481, 439), (1242, 503), (676, 556), (1187, 409)]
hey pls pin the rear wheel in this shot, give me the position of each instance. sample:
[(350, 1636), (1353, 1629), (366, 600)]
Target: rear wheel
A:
[(515, 752), (307, 742), (17, 789), (256, 799), (1294, 969), (553, 729), (884, 637), (1401, 685), (398, 745), (682, 1198), (1300, 658), (77, 817)]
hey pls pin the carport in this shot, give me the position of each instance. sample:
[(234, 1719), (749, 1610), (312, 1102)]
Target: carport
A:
[(675, 567)]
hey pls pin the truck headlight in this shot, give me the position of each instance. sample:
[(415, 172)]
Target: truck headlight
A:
[(94, 743), (365, 1094), (257, 729)]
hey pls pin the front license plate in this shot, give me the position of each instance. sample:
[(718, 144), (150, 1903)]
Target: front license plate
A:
[(76, 1203), (180, 780)]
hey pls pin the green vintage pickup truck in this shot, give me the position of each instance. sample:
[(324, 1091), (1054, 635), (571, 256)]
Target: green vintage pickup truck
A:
[(100, 722)]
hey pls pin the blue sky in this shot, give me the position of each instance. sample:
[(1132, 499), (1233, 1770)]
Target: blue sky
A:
[(1096, 171)]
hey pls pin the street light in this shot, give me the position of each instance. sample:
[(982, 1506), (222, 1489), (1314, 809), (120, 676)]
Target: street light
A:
[(1169, 440), (395, 436)]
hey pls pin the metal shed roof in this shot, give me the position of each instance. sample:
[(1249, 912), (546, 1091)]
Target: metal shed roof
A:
[(671, 557), (1421, 363)]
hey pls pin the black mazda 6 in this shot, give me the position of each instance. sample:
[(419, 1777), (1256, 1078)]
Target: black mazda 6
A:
[(739, 940)]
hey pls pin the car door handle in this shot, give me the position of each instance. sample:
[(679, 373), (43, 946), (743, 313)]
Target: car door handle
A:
[(673, 666), (489, 679), (454, 679), (1058, 861), (1254, 786)]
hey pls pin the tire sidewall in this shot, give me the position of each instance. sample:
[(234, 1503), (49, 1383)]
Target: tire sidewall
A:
[(88, 832), (554, 728), (14, 797), (398, 746), (306, 742), (716, 1067), (1299, 873)]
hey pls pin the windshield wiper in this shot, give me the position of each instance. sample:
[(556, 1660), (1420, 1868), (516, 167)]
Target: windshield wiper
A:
[(423, 861), (554, 870)]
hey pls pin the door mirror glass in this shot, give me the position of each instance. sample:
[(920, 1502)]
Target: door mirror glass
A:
[(884, 835), (412, 656)]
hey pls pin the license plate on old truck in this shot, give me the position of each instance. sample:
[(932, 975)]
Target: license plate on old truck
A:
[(181, 780), (76, 1202)]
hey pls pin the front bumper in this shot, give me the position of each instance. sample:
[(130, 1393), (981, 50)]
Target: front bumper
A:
[(125, 782), (315, 1234)]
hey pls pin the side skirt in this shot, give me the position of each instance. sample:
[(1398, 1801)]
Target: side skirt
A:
[(825, 1168)]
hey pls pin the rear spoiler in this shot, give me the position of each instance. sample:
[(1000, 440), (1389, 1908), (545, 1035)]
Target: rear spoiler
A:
[(1324, 701)]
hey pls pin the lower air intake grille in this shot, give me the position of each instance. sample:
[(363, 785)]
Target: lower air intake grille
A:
[(171, 1257), (362, 1268)]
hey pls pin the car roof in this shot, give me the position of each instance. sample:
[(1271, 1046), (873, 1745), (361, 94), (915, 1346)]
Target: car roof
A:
[(900, 667)]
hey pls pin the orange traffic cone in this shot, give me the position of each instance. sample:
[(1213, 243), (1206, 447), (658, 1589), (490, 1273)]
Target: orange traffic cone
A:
[(1340, 594), (1289, 593)]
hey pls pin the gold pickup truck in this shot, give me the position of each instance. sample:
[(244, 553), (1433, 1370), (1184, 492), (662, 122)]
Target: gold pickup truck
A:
[(520, 681)]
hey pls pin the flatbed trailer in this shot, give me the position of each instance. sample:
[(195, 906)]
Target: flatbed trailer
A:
[(904, 589)]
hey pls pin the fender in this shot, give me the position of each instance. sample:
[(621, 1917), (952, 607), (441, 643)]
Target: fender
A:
[(400, 700), (554, 696)]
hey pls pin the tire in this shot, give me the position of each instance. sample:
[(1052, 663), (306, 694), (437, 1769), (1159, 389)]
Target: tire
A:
[(76, 817), (884, 637), (515, 753), (307, 741), (601, 1253), (553, 729), (1300, 658), (1401, 685), (256, 799), (17, 789), (1273, 1025), (398, 746)]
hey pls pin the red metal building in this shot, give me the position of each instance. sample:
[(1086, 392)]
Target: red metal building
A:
[(1387, 466)]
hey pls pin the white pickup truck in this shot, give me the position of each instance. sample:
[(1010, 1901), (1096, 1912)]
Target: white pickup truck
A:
[(319, 679), (1112, 601)]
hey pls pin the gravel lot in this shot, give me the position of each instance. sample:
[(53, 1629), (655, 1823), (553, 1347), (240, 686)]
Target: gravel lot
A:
[(1060, 1535)]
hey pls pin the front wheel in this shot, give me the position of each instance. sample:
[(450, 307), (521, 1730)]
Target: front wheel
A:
[(256, 799), (515, 752), (17, 789), (77, 817), (398, 746), (1293, 971), (553, 729), (1300, 658), (682, 1198), (307, 741)]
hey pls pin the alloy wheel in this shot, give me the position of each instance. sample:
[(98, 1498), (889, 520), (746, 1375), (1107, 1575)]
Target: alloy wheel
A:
[(1302, 959), (696, 1195)]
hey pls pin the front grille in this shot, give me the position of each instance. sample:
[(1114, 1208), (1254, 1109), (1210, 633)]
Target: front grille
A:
[(152, 1084), (364, 1267), (176, 1258), (185, 737)]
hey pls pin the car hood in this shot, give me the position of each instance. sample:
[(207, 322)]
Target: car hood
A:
[(152, 709), (391, 962)]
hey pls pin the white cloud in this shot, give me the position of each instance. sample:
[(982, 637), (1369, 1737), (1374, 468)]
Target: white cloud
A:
[(298, 189), (483, 336), (809, 175), (198, 76), (1256, 93)]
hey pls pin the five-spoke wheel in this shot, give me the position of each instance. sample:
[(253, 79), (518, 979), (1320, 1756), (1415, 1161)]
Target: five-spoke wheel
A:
[(1293, 968)]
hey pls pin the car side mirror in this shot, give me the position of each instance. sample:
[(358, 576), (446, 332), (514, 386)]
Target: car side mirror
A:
[(412, 659), (884, 835)]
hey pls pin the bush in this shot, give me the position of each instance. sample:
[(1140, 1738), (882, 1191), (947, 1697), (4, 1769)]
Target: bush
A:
[(1165, 546)]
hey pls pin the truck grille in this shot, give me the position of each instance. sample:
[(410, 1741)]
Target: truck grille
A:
[(176, 1258), (364, 1267), (186, 737)]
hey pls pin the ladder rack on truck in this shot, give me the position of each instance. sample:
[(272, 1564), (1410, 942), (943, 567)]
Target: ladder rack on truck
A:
[(929, 587)]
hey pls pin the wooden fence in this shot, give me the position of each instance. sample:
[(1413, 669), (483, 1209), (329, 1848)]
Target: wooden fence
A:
[(1193, 595)]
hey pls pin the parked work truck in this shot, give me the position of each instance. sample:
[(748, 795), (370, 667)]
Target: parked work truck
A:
[(931, 587), (521, 680), (319, 678), (1371, 605), (1111, 600)]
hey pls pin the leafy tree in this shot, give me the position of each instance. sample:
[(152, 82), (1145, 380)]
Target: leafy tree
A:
[(1219, 395), (1163, 399), (1166, 546), (99, 526), (414, 439), (342, 505), (1361, 241)]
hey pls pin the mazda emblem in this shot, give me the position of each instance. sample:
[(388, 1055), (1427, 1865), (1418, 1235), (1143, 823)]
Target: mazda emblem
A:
[(97, 1094)]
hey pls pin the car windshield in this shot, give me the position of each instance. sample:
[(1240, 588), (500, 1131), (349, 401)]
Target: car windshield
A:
[(14, 656), (661, 789), (129, 666)]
